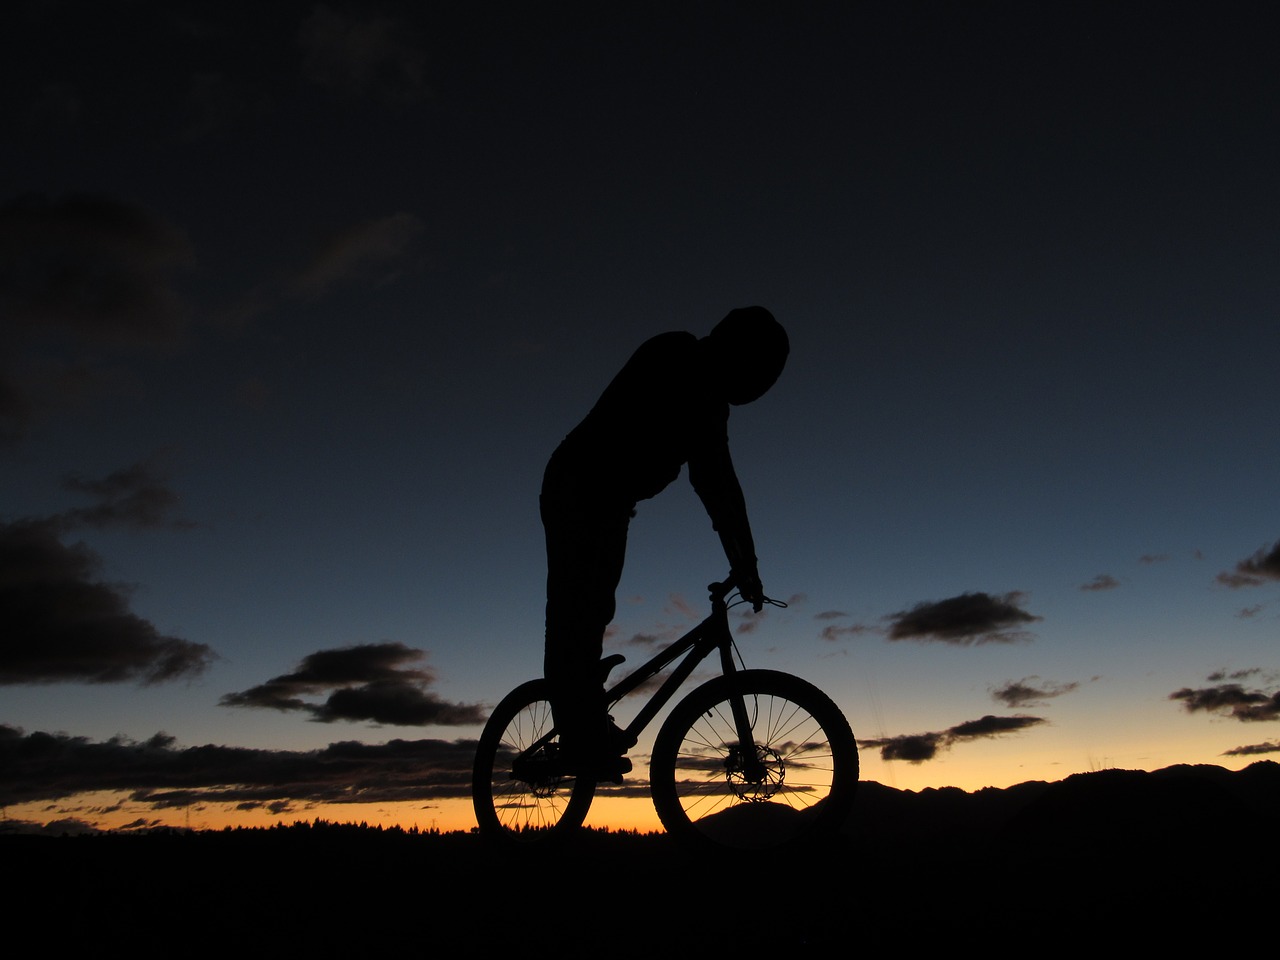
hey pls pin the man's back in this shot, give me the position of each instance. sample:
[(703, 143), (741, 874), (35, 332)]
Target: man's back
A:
[(657, 414)]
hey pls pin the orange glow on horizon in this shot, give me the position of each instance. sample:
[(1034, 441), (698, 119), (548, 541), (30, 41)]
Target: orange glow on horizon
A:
[(996, 763)]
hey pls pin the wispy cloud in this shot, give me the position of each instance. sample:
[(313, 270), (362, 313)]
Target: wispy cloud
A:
[(966, 619), (749, 620), (833, 632), (676, 603), (371, 682), (374, 250), (1219, 675), (648, 639), (136, 496), (919, 747), (1030, 691), (1103, 581)]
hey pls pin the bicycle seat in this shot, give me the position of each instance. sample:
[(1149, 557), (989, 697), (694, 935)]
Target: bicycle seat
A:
[(608, 663)]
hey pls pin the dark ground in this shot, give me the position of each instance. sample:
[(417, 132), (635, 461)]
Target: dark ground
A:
[(1133, 860)]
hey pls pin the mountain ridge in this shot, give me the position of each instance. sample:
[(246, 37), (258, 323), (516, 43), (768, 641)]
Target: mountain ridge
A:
[(1144, 813), (1142, 856)]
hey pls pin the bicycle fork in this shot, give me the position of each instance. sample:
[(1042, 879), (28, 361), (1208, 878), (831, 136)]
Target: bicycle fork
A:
[(753, 768)]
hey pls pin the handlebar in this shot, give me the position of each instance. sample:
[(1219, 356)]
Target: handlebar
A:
[(726, 586)]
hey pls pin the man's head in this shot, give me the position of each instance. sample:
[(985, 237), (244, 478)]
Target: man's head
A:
[(749, 349)]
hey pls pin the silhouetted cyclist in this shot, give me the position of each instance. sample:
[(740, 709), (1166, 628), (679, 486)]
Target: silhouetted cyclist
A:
[(669, 406)]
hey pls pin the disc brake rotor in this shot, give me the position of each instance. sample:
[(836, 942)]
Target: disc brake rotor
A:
[(755, 790)]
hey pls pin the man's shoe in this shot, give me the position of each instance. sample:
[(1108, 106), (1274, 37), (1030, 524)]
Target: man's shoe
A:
[(605, 769), (602, 766)]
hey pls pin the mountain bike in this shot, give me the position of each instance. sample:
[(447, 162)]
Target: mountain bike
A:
[(751, 759)]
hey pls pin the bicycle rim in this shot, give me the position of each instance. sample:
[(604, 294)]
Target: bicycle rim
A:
[(534, 806), (797, 786)]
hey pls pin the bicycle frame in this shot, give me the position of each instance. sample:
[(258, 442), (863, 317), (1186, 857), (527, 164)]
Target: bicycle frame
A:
[(698, 643), (695, 646)]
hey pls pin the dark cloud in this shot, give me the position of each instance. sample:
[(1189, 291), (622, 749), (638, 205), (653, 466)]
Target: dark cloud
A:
[(1253, 750), (396, 703), (1149, 558), (914, 748), (1103, 581), (990, 726), (62, 827), (58, 623), (1030, 691), (830, 615), (362, 55), (967, 619), (52, 767), (90, 265), (1255, 570), (77, 276), (370, 682), (919, 747), (1230, 700)]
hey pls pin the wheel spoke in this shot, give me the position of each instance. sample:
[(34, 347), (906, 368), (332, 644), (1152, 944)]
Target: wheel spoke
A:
[(536, 804), (801, 754)]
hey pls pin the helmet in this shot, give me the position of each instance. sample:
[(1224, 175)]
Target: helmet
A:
[(749, 350)]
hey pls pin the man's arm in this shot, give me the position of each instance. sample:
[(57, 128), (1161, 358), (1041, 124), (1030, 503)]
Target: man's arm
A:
[(712, 475)]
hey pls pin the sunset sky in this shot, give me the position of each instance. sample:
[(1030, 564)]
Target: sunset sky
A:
[(296, 299)]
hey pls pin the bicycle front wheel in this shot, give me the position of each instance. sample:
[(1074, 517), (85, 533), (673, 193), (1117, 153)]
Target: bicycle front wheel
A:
[(793, 784), (516, 794)]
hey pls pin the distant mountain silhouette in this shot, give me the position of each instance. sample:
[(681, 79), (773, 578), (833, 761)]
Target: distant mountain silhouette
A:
[(1103, 811), (1131, 859)]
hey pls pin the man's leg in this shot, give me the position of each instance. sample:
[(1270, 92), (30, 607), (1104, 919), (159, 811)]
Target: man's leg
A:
[(585, 552)]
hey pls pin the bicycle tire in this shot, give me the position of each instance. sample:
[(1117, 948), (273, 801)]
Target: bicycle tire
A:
[(535, 809), (810, 760)]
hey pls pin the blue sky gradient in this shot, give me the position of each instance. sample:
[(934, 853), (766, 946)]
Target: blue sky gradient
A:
[(295, 307)]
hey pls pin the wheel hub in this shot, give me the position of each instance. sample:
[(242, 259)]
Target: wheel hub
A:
[(759, 785), (537, 772)]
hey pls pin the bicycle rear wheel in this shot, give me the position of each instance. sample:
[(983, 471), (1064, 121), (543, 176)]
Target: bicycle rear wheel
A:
[(709, 792), (515, 794)]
